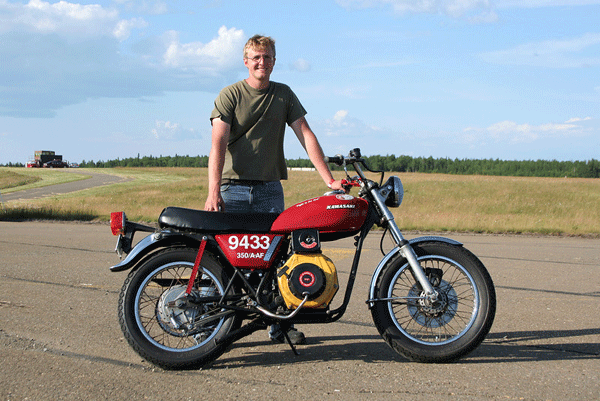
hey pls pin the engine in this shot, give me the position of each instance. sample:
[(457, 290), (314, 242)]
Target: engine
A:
[(308, 273)]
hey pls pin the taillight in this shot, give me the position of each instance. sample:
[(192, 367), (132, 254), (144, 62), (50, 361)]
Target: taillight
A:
[(117, 222)]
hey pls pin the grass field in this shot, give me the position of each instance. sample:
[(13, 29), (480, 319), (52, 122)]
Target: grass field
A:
[(432, 202), (16, 179)]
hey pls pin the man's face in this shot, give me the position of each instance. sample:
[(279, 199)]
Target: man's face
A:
[(260, 63)]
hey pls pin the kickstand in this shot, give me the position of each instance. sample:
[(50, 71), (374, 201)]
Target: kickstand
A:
[(287, 338)]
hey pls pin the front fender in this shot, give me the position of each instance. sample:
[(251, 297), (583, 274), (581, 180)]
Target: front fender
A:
[(150, 244), (396, 250)]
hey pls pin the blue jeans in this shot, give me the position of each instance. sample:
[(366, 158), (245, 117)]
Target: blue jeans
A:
[(266, 197)]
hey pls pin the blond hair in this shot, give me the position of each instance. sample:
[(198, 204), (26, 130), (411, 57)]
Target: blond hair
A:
[(259, 42)]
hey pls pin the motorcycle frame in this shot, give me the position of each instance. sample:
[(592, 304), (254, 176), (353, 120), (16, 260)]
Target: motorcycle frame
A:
[(378, 214), (152, 243)]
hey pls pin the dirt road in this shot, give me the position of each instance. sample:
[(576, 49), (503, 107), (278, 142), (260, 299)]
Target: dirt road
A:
[(60, 338)]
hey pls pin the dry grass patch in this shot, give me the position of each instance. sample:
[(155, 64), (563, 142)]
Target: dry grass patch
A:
[(19, 178), (144, 197), (500, 204), (11, 179)]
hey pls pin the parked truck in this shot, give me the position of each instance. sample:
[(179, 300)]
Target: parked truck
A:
[(47, 158)]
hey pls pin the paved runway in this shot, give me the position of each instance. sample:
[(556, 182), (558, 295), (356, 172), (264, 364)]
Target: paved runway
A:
[(60, 337)]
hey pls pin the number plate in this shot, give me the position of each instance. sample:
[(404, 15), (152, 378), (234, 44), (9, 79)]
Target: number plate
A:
[(251, 251)]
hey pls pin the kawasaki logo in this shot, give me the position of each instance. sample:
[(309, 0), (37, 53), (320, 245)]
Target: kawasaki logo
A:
[(342, 206)]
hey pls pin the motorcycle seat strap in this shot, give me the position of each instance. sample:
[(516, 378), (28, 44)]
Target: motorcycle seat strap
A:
[(203, 221)]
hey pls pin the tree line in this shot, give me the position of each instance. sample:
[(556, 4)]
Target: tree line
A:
[(150, 161), (519, 168)]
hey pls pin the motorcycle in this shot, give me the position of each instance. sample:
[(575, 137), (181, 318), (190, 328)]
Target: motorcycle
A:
[(203, 280)]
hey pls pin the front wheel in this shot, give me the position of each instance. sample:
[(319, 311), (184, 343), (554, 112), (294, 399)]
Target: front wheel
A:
[(157, 321), (444, 330)]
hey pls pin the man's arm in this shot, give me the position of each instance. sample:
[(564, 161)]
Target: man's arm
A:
[(310, 143), (216, 161)]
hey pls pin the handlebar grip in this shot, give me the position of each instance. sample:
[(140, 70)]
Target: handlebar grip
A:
[(337, 159)]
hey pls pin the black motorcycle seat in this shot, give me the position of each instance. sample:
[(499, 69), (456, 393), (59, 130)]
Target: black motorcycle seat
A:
[(202, 221)]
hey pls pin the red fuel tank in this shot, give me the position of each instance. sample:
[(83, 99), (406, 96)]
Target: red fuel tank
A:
[(336, 213)]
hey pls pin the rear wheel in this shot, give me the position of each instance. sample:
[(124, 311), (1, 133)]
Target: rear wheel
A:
[(161, 325), (443, 330)]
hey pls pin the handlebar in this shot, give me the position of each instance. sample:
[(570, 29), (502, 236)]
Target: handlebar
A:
[(355, 158)]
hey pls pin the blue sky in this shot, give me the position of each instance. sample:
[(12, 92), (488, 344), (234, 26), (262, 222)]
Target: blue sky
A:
[(506, 79)]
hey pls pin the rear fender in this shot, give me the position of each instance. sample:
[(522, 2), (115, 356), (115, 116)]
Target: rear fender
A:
[(396, 250), (152, 243)]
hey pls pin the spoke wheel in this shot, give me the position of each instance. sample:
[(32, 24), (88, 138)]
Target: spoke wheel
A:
[(161, 324), (439, 321), (168, 325), (435, 329)]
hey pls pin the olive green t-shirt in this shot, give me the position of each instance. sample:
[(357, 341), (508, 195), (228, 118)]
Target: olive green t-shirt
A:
[(257, 119)]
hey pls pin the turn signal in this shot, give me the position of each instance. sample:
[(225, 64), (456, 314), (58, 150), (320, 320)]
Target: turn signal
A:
[(117, 223)]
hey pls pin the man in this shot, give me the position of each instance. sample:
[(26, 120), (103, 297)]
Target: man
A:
[(246, 160)]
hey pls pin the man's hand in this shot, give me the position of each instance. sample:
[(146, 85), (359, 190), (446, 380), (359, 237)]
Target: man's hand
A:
[(214, 204), (337, 185)]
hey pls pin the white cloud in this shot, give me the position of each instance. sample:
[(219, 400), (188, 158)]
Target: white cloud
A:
[(124, 27), (224, 51), (338, 125), (339, 116), (77, 21), (510, 132), (64, 9), (300, 65), (165, 129), (171, 131), (578, 119), (567, 53), (343, 125)]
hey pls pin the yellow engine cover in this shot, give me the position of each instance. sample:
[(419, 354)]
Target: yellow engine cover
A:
[(325, 293)]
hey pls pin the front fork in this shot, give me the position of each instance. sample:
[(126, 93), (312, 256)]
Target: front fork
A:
[(406, 249)]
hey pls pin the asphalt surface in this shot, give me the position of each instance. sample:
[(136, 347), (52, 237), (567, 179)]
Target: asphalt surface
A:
[(60, 337)]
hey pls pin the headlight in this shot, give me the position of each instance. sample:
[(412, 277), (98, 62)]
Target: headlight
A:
[(396, 192)]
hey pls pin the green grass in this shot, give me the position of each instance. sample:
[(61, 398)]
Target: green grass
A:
[(432, 202)]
